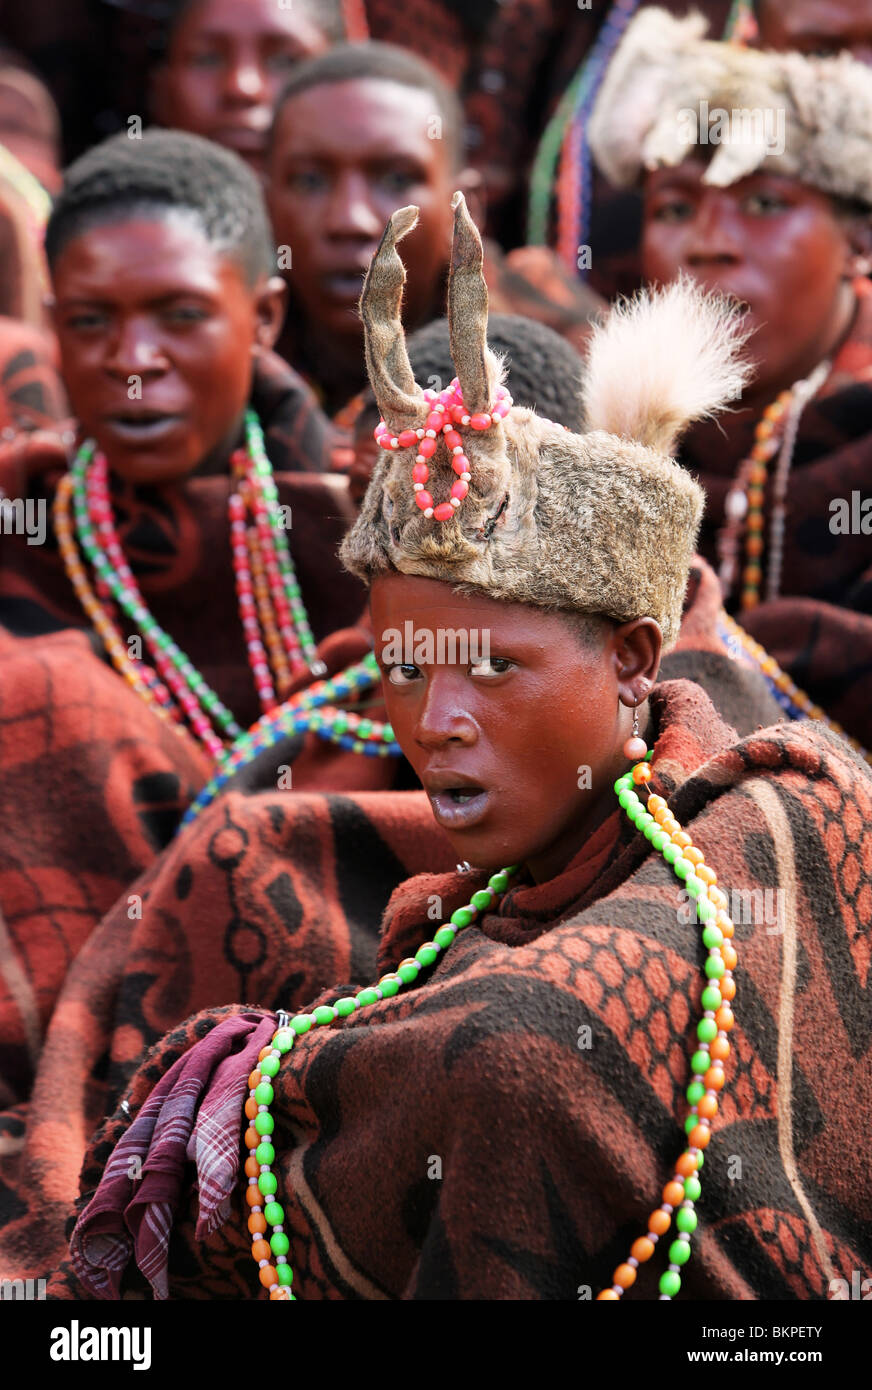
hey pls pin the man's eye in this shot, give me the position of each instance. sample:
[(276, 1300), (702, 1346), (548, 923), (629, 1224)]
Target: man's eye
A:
[(83, 322), (403, 675), (676, 211), (205, 59), (397, 180), (185, 313), (281, 62), (765, 204), (489, 667), (306, 181)]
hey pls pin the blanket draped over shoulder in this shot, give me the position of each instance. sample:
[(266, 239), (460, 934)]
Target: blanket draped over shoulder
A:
[(503, 1129), (261, 878), (93, 787)]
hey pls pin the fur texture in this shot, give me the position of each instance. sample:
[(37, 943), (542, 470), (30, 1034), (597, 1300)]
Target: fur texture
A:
[(598, 522), (664, 68), (657, 362)]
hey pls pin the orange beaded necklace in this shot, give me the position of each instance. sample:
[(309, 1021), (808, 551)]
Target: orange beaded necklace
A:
[(776, 432)]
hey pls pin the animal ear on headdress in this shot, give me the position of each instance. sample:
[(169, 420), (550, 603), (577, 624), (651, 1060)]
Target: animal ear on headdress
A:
[(661, 360), (387, 361), (478, 371)]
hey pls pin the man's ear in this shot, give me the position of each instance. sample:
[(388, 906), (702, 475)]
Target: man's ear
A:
[(636, 648), (270, 299)]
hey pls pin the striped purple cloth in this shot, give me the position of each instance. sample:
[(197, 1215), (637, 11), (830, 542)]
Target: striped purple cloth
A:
[(193, 1115)]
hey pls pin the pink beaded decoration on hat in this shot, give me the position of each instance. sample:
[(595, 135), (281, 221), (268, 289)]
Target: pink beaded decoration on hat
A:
[(447, 411)]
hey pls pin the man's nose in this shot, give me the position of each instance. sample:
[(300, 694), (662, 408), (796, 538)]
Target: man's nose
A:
[(245, 79), (351, 209), (444, 717), (136, 350), (713, 237)]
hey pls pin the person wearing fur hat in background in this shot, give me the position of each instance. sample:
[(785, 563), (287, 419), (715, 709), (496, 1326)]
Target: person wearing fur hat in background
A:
[(547, 1064), (757, 174)]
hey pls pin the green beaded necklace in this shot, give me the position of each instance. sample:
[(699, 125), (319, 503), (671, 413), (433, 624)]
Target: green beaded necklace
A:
[(265, 1211)]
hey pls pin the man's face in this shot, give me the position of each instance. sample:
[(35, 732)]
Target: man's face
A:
[(822, 27), (344, 157), (226, 65), (156, 331), (498, 744), (769, 241)]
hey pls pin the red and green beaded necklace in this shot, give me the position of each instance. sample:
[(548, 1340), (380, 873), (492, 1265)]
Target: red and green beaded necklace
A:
[(278, 637), (680, 1194)]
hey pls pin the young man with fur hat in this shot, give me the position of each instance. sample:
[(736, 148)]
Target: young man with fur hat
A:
[(531, 1114), (757, 175)]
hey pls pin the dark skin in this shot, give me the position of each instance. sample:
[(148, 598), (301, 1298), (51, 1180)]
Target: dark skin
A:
[(821, 27), (151, 298), (771, 242), (510, 736), (344, 157), (225, 67)]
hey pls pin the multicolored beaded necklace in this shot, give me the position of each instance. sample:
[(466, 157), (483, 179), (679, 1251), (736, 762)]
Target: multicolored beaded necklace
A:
[(776, 432), (655, 820), (795, 703), (564, 142), (278, 636), (313, 709)]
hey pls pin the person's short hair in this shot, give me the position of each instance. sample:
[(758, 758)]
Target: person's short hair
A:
[(543, 370), (589, 629), (326, 15), (166, 170), (348, 62)]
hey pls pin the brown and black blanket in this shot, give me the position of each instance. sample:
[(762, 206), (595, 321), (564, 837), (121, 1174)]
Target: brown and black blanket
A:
[(92, 788), (503, 1129)]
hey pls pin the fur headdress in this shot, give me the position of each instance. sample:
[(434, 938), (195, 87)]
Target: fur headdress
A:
[(668, 88), (599, 522)]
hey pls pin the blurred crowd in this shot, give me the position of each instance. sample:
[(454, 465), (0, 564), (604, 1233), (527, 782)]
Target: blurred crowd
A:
[(167, 378)]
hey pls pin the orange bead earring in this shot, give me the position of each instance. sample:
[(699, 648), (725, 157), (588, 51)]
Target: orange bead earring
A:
[(635, 748)]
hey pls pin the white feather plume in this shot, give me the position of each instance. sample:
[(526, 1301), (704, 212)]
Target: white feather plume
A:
[(663, 359)]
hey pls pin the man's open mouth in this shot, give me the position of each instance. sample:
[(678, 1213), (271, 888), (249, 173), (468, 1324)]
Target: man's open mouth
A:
[(459, 808)]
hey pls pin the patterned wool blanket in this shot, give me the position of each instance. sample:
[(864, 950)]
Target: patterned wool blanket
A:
[(157, 955), (264, 898), (92, 787), (503, 1128)]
